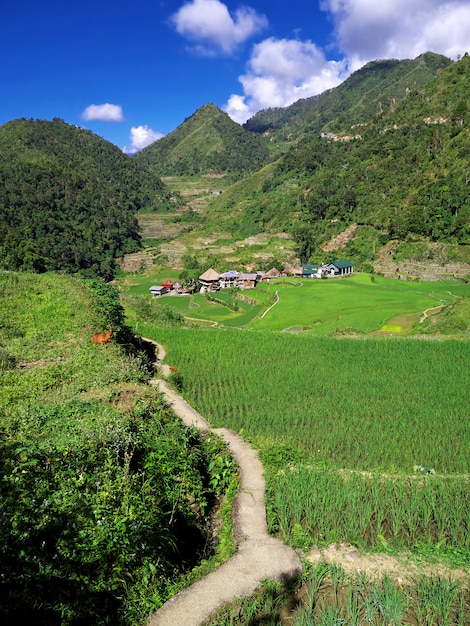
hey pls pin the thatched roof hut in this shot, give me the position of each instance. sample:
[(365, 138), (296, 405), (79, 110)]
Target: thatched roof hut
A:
[(209, 280)]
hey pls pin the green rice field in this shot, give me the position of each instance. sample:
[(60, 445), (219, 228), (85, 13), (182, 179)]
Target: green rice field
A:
[(359, 304), (342, 426)]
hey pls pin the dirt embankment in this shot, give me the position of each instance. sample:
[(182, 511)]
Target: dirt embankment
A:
[(429, 270)]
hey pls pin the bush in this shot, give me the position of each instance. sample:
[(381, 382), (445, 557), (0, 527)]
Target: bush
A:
[(89, 524)]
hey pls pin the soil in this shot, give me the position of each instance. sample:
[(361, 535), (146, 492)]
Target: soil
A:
[(341, 240), (259, 555)]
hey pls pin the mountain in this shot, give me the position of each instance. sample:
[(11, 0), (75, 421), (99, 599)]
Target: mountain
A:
[(401, 175), (207, 141), (370, 91), (68, 198), (384, 157)]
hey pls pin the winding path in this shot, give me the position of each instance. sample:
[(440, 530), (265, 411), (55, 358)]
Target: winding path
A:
[(259, 556), (273, 304), (426, 313)]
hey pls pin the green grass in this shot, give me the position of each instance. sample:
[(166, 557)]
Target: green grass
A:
[(360, 304), (316, 406), (391, 328), (341, 424), (92, 463), (360, 404), (374, 407)]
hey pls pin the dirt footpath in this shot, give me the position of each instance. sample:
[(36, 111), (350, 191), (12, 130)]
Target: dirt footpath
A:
[(258, 557)]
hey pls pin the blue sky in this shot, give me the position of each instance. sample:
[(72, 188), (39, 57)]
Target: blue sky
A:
[(131, 71)]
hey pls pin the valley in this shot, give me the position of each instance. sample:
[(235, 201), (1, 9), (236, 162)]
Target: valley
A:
[(352, 391)]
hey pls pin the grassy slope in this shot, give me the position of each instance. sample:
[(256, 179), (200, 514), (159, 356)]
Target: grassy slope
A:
[(77, 424)]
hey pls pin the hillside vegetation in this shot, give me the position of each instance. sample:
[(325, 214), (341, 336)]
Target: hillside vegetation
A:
[(68, 199), (105, 497), (371, 91), (386, 152), (208, 141), (403, 175)]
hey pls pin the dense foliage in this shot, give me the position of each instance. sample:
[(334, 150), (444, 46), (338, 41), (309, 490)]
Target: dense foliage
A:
[(104, 495), (371, 91), (403, 174), (68, 199), (208, 141)]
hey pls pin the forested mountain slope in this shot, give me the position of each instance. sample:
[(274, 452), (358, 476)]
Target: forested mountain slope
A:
[(404, 174), (68, 198), (207, 141), (372, 90), (388, 151)]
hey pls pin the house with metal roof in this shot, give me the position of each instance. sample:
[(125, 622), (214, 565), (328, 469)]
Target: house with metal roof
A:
[(339, 268), (310, 270), (228, 279), (158, 290), (247, 281)]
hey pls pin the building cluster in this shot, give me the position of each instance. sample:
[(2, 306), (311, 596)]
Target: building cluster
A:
[(211, 280)]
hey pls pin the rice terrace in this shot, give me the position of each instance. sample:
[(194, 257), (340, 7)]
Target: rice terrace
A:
[(355, 392), (241, 340)]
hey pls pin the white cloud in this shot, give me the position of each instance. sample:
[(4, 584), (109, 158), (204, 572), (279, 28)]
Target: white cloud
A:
[(141, 136), (280, 72), (210, 26), (368, 29), (103, 112)]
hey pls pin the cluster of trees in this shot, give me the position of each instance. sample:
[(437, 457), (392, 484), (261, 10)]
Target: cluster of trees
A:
[(68, 199)]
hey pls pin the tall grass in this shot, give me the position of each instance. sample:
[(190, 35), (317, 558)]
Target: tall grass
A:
[(367, 405), (341, 426), (327, 595), (371, 510)]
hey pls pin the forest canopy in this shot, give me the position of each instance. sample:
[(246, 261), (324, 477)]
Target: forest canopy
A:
[(68, 199)]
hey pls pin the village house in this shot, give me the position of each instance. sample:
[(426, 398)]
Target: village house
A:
[(228, 279), (310, 270), (273, 273), (209, 281), (158, 290), (212, 281), (247, 281), (337, 268), (292, 271)]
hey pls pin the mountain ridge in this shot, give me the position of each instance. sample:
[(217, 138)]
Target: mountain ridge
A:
[(332, 109), (401, 174), (206, 141)]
